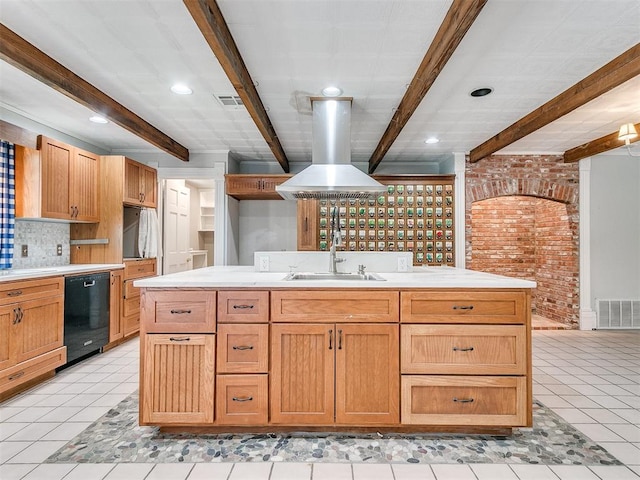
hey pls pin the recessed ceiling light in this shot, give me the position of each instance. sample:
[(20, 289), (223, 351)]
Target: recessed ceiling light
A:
[(481, 92), (181, 89), (431, 140), (98, 119), (331, 91)]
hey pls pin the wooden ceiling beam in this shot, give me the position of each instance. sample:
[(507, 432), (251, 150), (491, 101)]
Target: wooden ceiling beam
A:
[(211, 23), (622, 68), (453, 28), (16, 51), (594, 147)]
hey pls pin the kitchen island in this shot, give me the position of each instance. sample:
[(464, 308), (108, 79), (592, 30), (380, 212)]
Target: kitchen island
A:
[(227, 349)]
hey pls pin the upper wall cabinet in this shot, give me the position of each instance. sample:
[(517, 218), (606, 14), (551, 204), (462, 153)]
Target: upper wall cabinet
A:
[(140, 184), (254, 187), (61, 182)]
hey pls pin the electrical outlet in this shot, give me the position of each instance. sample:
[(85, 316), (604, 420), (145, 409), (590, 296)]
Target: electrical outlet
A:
[(264, 263), (59, 249), (402, 264), (25, 250)]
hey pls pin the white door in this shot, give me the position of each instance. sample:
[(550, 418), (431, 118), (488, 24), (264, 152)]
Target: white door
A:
[(177, 257)]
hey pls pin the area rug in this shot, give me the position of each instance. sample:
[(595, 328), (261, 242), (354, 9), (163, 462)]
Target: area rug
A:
[(116, 437)]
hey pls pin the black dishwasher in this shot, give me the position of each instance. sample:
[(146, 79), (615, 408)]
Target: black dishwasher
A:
[(86, 314)]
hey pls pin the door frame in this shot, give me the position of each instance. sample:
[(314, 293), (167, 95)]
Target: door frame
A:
[(216, 174)]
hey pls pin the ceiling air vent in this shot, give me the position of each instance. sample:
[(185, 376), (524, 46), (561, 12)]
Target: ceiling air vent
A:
[(230, 102)]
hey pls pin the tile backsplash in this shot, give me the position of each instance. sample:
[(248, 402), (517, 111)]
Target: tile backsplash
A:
[(42, 239)]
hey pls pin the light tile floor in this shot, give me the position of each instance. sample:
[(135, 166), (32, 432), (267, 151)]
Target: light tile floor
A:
[(590, 378)]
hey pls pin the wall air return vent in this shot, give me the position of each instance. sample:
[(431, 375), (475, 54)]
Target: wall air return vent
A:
[(230, 102), (621, 314)]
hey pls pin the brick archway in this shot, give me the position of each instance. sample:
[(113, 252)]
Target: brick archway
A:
[(540, 206)]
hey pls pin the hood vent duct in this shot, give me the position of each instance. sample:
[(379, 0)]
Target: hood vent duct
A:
[(331, 175)]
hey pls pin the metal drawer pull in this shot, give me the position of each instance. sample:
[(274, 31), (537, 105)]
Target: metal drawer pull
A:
[(463, 307), (15, 293), (330, 339), (339, 339), (467, 349), (243, 347), (16, 375), (180, 339), (242, 399), (242, 307), (180, 312), (463, 400), (89, 284)]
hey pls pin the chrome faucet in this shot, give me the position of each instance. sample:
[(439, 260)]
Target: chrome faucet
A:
[(336, 240)]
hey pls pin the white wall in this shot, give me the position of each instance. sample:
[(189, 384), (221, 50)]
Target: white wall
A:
[(615, 227), (266, 225)]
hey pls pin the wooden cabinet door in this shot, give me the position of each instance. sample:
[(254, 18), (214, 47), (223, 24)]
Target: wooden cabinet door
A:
[(84, 181), (40, 327), (7, 340), (132, 174), (178, 377), (307, 225), (367, 374), (116, 326), (253, 187), (149, 187), (302, 374), (56, 159)]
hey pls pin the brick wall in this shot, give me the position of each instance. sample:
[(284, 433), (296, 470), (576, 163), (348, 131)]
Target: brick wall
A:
[(522, 221)]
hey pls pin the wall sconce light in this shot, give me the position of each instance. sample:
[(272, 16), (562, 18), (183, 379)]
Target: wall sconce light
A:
[(627, 132)]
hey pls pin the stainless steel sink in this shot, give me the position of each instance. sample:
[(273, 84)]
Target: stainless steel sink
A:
[(335, 276)]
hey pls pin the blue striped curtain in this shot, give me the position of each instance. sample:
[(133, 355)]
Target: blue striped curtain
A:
[(7, 203)]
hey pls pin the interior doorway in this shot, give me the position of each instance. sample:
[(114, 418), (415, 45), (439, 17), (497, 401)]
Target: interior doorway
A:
[(188, 224)]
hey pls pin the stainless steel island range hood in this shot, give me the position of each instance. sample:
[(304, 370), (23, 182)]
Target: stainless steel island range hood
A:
[(331, 174)]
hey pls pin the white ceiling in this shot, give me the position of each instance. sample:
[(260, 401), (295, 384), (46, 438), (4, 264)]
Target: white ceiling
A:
[(528, 51)]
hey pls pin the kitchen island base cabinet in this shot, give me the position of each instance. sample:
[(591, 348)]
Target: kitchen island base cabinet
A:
[(335, 374), (328, 359), (178, 379)]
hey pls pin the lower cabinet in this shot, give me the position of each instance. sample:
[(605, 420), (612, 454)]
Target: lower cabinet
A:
[(31, 331), (178, 379), (325, 374), (240, 359)]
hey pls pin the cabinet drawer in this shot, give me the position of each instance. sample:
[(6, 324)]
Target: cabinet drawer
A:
[(471, 306), (131, 324), (243, 307), (242, 399), (139, 268), (178, 311), (243, 348), (12, 292), (29, 369), (351, 306), (131, 306), (129, 290), (464, 400), (464, 349)]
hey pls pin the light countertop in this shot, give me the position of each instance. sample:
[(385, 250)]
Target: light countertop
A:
[(247, 277), (64, 270)]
